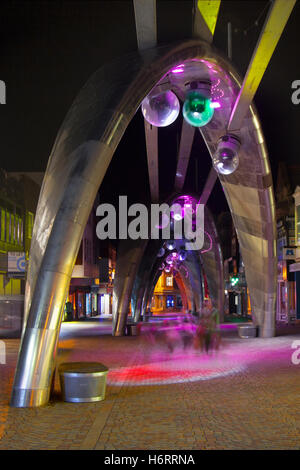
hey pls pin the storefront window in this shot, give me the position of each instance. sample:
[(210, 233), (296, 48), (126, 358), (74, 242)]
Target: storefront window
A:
[(94, 304), (88, 305), (80, 305)]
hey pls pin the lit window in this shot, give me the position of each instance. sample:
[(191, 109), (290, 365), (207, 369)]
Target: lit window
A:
[(30, 224), (8, 227), (3, 224), (169, 281), (12, 231)]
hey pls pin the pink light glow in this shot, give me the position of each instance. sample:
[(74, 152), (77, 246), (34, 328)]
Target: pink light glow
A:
[(215, 105), (188, 367), (178, 217), (178, 69)]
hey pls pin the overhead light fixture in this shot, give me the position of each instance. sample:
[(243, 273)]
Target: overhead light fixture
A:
[(170, 245), (197, 109), (161, 252), (161, 109), (226, 159)]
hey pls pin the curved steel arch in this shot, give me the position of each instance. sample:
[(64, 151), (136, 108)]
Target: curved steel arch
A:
[(210, 258), (80, 157)]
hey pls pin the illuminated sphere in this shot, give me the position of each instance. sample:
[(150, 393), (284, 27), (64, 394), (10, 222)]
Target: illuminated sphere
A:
[(170, 245), (169, 260), (182, 255), (197, 110), (162, 109), (161, 252), (225, 161)]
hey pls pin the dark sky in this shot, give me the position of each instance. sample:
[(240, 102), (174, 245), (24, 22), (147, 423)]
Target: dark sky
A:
[(49, 49)]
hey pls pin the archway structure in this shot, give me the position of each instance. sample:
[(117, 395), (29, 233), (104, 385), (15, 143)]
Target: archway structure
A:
[(78, 162)]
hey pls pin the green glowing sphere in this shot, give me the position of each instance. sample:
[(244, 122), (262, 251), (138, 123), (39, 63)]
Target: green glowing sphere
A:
[(197, 110)]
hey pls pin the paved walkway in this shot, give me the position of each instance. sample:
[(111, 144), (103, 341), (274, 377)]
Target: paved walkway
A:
[(244, 397)]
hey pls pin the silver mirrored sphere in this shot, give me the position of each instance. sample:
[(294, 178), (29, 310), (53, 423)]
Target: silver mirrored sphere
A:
[(169, 259), (170, 245), (225, 161), (161, 252), (161, 109)]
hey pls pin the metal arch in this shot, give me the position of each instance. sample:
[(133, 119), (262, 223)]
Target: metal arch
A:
[(192, 264), (129, 255), (81, 154), (151, 136), (212, 261), (205, 18), (146, 33), (145, 268), (185, 300), (192, 284), (188, 290), (184, 153), (275, 23), (149, 273), (145, 23)]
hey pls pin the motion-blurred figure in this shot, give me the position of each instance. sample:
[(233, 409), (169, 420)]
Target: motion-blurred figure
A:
[(208, 332), (186, 333)]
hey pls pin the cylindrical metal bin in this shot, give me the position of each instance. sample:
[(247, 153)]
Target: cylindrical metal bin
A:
[(82, 381), (132, 329), (247, 331)]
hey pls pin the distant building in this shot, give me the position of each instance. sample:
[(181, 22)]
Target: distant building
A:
[(18, 200), (294, 268), (288, 289), (91, 286), (237, 299), (166, 297)]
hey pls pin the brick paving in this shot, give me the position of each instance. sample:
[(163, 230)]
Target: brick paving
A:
[(246, 396)]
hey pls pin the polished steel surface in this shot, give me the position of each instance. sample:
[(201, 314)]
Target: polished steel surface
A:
[(209, 186), (205, 19), (151, 135), (145, 23), (81, 154), (129, 256), (82, 382), (185, 147), (212, 261)]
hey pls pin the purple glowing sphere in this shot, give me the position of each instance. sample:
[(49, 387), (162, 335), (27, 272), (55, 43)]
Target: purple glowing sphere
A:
[(161, 109), (161, 252)]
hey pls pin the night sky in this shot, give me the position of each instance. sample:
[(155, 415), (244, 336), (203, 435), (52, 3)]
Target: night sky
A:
[(50, 49)]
